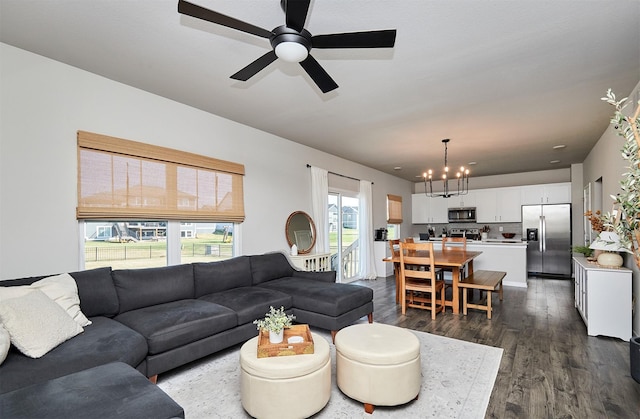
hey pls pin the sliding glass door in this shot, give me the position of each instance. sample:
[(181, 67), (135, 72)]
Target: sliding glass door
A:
[(344, 234)]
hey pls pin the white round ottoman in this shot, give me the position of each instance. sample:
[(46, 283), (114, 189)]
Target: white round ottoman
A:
[(378, 364), (295, 386)]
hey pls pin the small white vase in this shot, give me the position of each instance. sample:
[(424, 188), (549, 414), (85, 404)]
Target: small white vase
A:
[(276, 337)]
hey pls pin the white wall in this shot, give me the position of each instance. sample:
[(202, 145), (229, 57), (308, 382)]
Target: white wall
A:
[(605, 161), (43, 103)]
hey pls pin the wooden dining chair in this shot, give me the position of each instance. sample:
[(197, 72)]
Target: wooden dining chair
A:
[(394, 244), (422, 284), (453, 244)]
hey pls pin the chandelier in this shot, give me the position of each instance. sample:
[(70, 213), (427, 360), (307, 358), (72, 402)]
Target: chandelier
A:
[(462, 178)]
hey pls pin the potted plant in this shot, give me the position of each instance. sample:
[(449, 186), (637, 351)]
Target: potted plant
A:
[(625, 220), (275, 321), (585, 250)]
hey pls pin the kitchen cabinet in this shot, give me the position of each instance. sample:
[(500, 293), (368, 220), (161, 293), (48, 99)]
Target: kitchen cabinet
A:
[(552, 193), (603, 298), (382, 250), (419, 209), (462, 201), (498, 205), (425, 210)]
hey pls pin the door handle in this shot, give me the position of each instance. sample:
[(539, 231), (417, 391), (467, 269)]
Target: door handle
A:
[(543, 242), (541, 236)]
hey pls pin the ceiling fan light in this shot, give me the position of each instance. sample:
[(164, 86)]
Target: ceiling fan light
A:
[(291, 52)]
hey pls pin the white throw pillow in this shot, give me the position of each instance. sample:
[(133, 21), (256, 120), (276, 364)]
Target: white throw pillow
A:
[(36, 324), (60, 288), (5, 343)]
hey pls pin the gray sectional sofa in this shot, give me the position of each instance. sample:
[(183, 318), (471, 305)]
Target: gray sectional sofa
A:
[(160, 318)]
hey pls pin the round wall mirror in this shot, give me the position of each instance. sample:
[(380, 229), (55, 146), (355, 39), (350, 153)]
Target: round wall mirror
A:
[(301, 230)]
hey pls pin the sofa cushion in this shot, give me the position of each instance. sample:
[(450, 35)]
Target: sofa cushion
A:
[(105, 340), (138, 288), (332, 299), (5, 344), (60, 288), (63, 290), (250, 303), (97, 292), (36, 323), (114, 390), (95, 289), (269, 267), (177, 323), (213, 277)]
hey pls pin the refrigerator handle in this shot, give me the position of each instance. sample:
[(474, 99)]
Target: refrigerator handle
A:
[(543, 232)]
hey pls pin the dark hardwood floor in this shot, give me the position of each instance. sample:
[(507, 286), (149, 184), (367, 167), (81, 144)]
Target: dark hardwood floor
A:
[(550, 368)]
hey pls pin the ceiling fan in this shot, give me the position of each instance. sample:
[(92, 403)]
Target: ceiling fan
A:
[(292, 42)]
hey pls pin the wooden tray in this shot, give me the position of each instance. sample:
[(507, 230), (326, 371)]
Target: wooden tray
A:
[(267, 349)]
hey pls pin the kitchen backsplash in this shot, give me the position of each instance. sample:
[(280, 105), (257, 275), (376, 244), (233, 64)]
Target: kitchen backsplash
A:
[(494, 232)]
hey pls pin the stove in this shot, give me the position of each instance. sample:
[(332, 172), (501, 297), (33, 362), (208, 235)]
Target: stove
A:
[(469, 233)]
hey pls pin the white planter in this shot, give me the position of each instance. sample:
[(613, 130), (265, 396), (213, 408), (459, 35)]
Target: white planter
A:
[(276, 337)]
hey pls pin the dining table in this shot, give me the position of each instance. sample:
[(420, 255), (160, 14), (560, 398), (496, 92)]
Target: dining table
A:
[(455, 259)]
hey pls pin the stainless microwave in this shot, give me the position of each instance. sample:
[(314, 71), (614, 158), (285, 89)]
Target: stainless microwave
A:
[(462, 215)]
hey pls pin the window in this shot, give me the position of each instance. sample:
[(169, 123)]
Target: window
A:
[(122, 179), (394, 209), (394, 216), (133, 198)]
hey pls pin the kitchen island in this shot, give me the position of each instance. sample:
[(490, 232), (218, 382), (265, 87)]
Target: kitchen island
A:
[(508, 256)]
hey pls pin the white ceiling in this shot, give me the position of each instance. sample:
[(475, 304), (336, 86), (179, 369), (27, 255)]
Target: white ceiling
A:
[(505, 80)]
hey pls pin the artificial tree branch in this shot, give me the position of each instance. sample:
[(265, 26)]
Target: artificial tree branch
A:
[(633, 122)]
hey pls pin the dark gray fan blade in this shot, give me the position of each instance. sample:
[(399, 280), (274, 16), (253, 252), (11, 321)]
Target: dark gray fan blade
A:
[(199, 12), (295, 12), (255, 67), (372, 39), (319, 76)]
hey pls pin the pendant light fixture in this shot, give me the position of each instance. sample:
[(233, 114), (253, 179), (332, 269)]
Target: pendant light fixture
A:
[(462, 179)]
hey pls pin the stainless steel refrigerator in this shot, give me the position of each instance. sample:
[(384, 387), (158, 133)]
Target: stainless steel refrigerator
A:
[(547, 229)]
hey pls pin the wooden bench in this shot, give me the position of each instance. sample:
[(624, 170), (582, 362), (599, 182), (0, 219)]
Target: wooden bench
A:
[(485, 281)]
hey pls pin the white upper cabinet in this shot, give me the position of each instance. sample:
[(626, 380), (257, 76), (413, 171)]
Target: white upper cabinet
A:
[(462, 201), (425, 210), (494, 205), (439, 209), (419, 209), (553, 193), (498, 205)]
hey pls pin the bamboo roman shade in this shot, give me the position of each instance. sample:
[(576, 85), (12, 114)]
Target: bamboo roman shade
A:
[(122, 179), (394, 209)]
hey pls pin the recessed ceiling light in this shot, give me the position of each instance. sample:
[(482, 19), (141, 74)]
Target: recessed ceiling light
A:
[(559, 146), (397, 168), (554, 161), (419, 176), (471, 163)]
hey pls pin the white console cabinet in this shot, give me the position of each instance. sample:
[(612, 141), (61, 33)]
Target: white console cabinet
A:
[(603, 298), (382, 250), (312, 262)]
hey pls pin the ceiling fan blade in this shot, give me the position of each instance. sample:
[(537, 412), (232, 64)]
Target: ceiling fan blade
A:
[(371, 39), (199, 12), (295, 12), (319, 76), (255, 67)]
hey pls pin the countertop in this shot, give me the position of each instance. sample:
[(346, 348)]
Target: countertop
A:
[(489, 242)]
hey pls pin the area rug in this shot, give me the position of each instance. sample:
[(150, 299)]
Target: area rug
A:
[(457, 380)]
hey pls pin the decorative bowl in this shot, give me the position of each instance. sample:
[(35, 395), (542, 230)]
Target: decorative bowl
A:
[(508, 235)]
